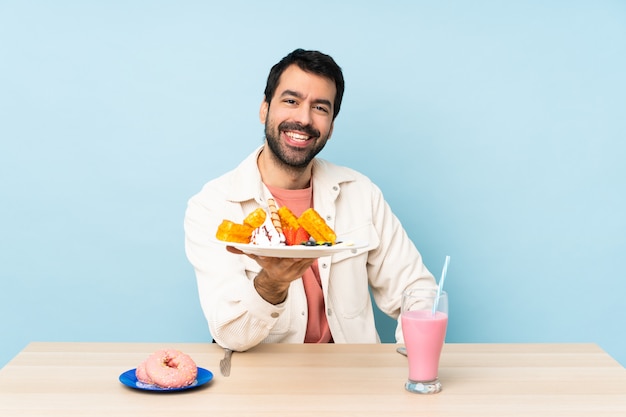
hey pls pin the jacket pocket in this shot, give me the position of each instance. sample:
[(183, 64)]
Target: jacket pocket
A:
[(363, 234), (349, 283)]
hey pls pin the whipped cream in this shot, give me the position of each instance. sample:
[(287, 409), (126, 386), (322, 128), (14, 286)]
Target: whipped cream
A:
[(267, 235)]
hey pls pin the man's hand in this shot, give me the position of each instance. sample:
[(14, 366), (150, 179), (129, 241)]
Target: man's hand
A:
[(272, 283)]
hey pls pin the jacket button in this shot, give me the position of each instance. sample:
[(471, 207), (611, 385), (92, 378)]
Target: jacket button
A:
[(329, 312), (274, 315), (324, 265)]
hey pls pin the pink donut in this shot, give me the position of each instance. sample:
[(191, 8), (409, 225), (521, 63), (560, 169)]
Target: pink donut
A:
[(142, 375), (169, 368)]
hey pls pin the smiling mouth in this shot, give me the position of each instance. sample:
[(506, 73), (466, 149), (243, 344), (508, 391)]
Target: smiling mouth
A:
[(297, 137), (298, 133)]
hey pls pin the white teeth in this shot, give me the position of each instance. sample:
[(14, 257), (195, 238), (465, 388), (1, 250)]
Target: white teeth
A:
[(296, 136)]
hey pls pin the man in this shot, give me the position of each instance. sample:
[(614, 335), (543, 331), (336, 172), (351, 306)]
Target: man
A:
[(249, 299)]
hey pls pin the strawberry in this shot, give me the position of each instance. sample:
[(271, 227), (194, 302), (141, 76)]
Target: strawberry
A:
[(301, 236), (290, 235), (295, 236)]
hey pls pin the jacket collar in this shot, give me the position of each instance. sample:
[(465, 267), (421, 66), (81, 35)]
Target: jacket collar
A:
[(249, 186)]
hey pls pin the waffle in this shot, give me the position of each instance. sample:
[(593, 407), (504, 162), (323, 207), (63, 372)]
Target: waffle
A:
[(287, 218), (311, 221), (256, 218), (233, 232)]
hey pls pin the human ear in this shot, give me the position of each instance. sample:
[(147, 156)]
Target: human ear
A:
[(263, 111)]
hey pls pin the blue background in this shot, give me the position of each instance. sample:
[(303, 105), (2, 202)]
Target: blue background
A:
[(496, 130)]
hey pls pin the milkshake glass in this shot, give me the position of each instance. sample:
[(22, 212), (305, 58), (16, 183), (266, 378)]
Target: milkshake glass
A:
[(424, 332)]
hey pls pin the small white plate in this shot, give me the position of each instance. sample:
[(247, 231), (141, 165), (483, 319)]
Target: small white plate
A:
[(296, 251)]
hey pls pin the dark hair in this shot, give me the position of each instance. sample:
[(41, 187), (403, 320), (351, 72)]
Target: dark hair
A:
[(313, 62)]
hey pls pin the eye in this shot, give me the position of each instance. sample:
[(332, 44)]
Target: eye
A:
[(290, 101), (321, 108)]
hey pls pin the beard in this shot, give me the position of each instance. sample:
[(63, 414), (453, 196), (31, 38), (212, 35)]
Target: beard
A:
[(289, 156)]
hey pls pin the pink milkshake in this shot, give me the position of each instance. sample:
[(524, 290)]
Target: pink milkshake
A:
[(424, 334)]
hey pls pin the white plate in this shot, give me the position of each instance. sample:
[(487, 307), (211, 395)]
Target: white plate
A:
[(296, 251)]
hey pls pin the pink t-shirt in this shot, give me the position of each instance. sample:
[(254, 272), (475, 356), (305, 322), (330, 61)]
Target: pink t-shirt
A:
[(317, 330)]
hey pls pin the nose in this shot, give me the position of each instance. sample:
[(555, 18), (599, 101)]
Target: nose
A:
[(303, 115)]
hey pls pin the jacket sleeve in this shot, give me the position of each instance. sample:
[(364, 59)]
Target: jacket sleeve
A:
[(396, 264), (238, 318)]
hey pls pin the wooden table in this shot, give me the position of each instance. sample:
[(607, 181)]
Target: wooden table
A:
[(81, 379)]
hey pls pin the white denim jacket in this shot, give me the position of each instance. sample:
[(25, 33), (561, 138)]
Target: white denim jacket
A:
[(354, 207)]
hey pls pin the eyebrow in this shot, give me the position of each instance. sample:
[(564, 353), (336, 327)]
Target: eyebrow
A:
[(298, 95)]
